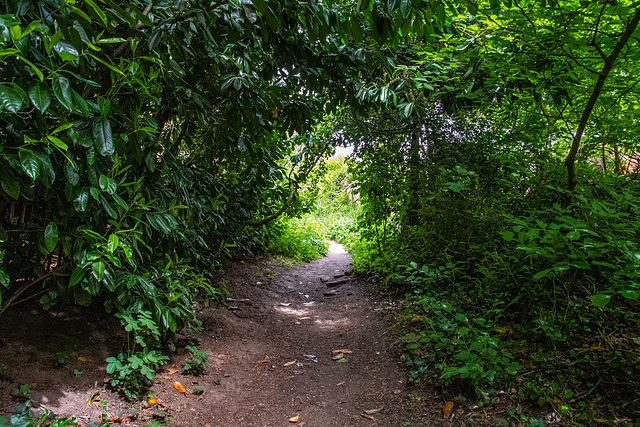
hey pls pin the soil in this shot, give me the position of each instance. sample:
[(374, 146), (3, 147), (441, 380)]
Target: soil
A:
[(270, 351)]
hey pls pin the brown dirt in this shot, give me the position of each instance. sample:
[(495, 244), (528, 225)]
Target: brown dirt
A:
[(280, 314)]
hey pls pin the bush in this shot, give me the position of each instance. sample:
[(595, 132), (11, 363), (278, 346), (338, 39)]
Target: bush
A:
[(303, 239)]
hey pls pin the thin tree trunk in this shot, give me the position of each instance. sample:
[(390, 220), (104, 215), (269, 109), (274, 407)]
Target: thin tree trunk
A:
[(609, 61)]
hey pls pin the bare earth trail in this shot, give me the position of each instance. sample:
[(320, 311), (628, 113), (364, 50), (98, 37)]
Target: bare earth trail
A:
[(284, 315), (277, 315)]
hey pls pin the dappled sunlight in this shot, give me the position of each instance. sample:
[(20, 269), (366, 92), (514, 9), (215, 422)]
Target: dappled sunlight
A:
[(332, 323), (291, 311)]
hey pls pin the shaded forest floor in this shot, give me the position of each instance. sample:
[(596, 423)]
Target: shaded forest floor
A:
[(276, 315)]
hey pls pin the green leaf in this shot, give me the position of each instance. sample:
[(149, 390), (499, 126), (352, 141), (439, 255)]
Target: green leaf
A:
[(30, 163), (51, 237), (405, 8), (600, 300), (101, 15), (629, 294), (107, 184), (62, 91), (102, 136), (58, 142), (66, 51), (40, 96), (98, 269), (77, 276), (10, 99), (80, 104), (11, 186), (106, 64), (113, 243), (80, 202), (71, 174), (62, 128)]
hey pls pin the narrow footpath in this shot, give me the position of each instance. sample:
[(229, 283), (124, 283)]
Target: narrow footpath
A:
[(272, 353)]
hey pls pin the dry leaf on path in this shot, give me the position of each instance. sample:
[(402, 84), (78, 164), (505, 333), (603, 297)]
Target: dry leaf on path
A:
[(344, 350), (94, 396), (338, 356), (180, 388), (82, 359), (294, 419), (447, 408), (372, 411), (592, 348), (290, 363), (173, 371), (151, 403), (263, 361), (367, 416)]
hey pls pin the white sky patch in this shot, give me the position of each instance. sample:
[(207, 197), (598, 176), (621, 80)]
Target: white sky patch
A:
[(343, 151)]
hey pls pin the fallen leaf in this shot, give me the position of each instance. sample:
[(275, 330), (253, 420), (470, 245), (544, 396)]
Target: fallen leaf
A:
[(372, 411), (305, 318), (447, 408), (367, 416), (290, 363), (294, 419), (95, 395), (338, 356), (173, 371), (117, 420), (151, 403), (180, 388), (82, 359), (344, 350), (263, 361), (342, 360), (591, 349), (298, 323)]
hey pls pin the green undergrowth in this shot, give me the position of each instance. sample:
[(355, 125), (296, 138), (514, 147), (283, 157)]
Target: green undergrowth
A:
[(302, 239), (545, 305)]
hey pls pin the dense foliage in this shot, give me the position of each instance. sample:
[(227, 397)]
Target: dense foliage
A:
[(493, 181)]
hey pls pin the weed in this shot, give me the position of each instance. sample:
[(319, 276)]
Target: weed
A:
[(22, 392), (197, 363), (61, 358), (23, 416)]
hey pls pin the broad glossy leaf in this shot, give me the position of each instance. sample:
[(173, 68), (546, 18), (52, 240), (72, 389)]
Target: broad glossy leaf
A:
[(113, 243), (107, 184), (30, 163), (80, 202), (62, 91), (405, 8), (66, 51), (102, 136), (98, 269), (71, 174), (77, 276), (51, 236), (10, 99), (40, 96)]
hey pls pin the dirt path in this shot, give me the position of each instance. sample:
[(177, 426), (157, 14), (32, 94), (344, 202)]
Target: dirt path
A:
[(277, 315), (287, 315)]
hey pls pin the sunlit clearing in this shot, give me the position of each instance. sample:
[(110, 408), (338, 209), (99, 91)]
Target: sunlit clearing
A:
[(336, 248)]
